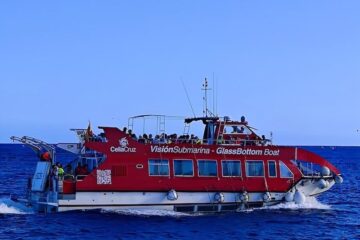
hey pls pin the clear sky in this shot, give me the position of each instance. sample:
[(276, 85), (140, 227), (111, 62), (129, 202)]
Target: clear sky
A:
[(291, 67)]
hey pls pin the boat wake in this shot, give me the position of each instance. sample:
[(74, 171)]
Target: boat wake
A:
[(147, 212), (310, 203), (7, 206)]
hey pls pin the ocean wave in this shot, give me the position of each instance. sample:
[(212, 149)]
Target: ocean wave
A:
[(146, 212), (7, 206), (310, 203)]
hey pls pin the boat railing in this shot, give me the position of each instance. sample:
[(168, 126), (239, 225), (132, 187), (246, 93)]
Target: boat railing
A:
[(235, 142), (69, 177), (80, 177)]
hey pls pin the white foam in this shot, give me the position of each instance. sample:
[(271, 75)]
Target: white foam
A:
[(5, 209), (8, 206), (310, 203), (147, 212)]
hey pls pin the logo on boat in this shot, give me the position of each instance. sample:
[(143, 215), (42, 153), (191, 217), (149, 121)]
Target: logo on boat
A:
[(123, 142), (123, 146)]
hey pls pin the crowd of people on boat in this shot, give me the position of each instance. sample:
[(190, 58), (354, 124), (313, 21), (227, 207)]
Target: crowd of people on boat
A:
[(163, 138), (192, 139)]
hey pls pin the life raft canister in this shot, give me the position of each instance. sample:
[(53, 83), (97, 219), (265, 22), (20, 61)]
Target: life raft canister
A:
[(45, 156)]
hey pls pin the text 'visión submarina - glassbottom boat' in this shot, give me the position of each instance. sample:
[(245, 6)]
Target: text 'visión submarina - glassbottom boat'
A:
[(229, 168)]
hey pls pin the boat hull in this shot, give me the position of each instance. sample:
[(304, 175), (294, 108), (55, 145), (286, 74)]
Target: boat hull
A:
[(186, 201)]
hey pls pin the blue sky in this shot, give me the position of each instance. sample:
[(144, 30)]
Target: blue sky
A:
[(291, 67)]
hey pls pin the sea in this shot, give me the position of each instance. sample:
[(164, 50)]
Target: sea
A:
[(332, 215)]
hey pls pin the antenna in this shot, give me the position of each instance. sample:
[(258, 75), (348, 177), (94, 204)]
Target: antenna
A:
[(213, 82), (188, 98), (206, 89), (216, 97)]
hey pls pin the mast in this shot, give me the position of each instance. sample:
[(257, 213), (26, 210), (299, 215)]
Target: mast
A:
[(206, 111)]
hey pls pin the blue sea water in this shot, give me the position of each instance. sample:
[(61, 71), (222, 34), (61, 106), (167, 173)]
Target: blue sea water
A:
[(333, 215)]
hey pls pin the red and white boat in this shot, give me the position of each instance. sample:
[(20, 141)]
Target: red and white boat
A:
[(229, 168)]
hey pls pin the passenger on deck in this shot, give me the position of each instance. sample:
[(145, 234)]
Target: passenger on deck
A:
[(156, 140), (220, 140), (81, 170), (141, 139), (151, 138), (173, 138), (85, 170), (130, 133), (162, 139), (78, 169), (235, 129), (69, 173), (133, 136), (145, 137), (192, 138), (60, 171), (243, 121), (124, 129), (264, 140), (54, 178)]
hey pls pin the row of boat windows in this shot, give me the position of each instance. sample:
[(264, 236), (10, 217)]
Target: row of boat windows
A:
[(208, 168)]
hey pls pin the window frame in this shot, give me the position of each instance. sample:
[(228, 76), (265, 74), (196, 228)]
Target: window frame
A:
[(246, 169), (168, 165), (211, 160), (281, 162), (192, 164), (230, 160), (246, 131), (269, 169)]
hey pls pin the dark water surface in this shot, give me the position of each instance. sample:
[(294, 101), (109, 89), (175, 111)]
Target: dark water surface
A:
[(334, 215)]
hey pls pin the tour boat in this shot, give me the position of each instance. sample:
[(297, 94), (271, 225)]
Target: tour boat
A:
[(229, 168)]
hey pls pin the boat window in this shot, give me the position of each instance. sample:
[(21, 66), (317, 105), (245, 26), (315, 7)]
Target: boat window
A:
[(183, 168), (254, 168), (285, 171), (307, 168), (231, 168), (236, 129), (158, 167), (207, 168), (272, 168)]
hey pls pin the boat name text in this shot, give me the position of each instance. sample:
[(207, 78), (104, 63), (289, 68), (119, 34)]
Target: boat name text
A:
[(247, 151), (177, 149), (219, 150)]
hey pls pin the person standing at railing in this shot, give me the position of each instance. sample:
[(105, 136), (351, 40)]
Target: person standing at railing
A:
[(54, 178), (60, 171)]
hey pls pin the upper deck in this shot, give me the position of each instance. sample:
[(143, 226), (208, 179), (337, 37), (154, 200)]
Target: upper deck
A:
[(216, 131)]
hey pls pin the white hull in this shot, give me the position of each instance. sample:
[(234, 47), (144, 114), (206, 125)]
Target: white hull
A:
[(157, 200), (185, 201)]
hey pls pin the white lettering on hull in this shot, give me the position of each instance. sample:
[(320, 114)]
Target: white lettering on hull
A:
[(239, 151), (219, 150), (177, 149), (122, 149)]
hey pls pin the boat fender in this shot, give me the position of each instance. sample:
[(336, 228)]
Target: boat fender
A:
[(244, 197), (325, 171), (299, 197), (172, 195), (289, 197), (219, 197), (339, 179), (267, 197), (322, 184)]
